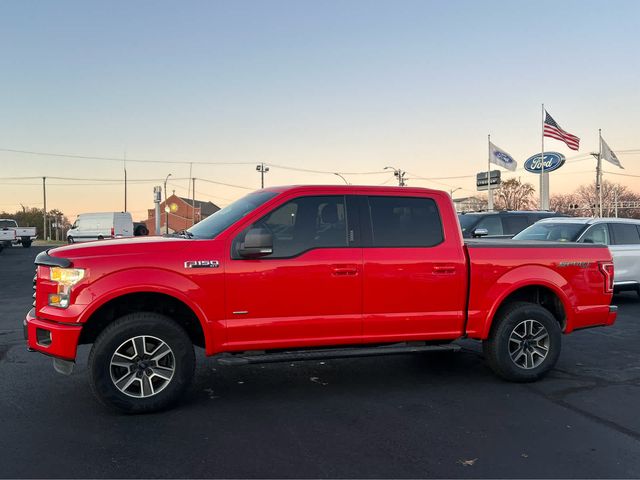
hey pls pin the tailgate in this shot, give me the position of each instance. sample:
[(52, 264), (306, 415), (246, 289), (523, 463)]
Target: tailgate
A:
[(6, 235), (25, 231)]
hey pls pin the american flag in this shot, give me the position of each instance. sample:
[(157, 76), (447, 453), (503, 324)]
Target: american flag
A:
[(553, 130)]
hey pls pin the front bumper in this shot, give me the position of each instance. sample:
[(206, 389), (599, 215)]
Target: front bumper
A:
[(51, 338)]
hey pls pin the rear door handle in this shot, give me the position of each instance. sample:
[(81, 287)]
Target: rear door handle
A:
[(341, 270), (444, 269)]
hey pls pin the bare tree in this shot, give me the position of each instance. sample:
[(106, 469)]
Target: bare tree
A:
[(584, 201), (512, 194)]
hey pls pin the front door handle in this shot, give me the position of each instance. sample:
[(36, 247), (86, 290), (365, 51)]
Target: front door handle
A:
[(341, 270)]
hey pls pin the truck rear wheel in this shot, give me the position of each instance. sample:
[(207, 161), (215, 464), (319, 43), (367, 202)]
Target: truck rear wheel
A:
[(524, 343), (142, 362), (26, 243)]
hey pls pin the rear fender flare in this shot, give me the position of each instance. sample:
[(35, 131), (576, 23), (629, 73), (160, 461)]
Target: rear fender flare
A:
[(529, 276)]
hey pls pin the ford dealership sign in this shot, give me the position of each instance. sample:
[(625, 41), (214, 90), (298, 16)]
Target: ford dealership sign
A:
[(552, 161)]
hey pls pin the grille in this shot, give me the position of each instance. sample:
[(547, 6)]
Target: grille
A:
[(35, 280)]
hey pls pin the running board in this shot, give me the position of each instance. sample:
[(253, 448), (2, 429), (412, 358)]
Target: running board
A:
[(302, 355)]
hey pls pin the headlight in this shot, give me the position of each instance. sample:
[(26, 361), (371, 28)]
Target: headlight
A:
[(66, 276)]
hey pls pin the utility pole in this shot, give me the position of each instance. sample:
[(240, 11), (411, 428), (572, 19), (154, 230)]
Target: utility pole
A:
[(44, 213), (193, 202), (157, 198), (399, 174), (166, 207), (262, 169), (125, 181)]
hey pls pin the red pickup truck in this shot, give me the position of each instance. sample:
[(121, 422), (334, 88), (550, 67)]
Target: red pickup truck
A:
[(310, 272)]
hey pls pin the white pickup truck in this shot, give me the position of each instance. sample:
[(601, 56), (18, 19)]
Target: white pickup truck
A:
[(12, 234)]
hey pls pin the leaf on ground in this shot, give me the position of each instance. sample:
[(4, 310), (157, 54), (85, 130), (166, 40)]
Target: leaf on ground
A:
[(467, 463)]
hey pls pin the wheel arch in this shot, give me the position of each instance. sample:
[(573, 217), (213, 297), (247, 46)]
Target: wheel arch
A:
[(113, 307), (548, 297)]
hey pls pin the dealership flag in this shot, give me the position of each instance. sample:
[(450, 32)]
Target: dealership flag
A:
[(552, 129), (502, 158), (608, 154)]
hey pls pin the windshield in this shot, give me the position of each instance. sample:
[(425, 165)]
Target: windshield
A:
[(7, 223), (215, 224), (467, 221), (558, 232)]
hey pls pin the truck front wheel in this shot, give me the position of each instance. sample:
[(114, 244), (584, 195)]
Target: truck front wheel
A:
[(142, 362), (524, 343)]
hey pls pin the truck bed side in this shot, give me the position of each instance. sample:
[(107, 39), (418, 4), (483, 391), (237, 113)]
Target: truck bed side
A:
[(563, 277)]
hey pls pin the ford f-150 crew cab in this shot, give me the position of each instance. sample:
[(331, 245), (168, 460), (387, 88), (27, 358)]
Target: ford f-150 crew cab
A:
[(310, 272)]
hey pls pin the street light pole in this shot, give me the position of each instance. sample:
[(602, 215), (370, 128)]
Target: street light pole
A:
[(452, 191), (262, 169), (344, 179), (166, 207), (399, 174)]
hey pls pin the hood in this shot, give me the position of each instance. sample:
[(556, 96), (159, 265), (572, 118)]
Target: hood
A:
[(121, 246)]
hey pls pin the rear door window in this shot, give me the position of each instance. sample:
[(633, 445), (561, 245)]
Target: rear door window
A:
[(512, 224), (405, 222), (625, 234)]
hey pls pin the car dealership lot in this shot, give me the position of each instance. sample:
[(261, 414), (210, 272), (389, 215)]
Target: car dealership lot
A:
[(436, 415)]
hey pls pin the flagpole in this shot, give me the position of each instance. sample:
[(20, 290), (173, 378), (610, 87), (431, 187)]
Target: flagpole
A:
[(600, 171), (542, 179), (490, 193)]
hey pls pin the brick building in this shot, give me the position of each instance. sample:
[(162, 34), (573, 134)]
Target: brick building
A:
[(181, 214)]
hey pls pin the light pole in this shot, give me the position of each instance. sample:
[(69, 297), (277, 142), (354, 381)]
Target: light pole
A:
[(399, 174), (166, 207), (454, 190), (344, 179), (262, 169)]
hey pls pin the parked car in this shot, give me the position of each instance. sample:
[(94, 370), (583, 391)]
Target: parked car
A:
[(305, 273), (621, 235), (12, 234), (98, 226), (504, 224)]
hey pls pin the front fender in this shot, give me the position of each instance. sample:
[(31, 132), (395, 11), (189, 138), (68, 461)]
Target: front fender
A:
[(151, 280), (485, 301)]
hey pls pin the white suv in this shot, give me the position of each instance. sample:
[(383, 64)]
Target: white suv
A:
[(622, 235)]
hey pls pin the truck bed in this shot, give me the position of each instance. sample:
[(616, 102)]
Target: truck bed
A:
[(569, 274)]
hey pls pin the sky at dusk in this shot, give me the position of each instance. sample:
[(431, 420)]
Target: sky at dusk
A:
[(335, 86)]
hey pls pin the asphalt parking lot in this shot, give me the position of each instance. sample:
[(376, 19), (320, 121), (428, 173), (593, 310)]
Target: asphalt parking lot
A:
[(412, 416)]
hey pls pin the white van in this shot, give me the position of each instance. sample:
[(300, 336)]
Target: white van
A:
[(98, 226)]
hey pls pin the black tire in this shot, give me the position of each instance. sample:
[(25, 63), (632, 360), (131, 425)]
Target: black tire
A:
[(70, 240), (502, 346), (26, 243), (100, 237), (115, 336), (140, 231)]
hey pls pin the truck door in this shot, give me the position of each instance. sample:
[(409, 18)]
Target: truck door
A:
[(415, 273), (309, 290)]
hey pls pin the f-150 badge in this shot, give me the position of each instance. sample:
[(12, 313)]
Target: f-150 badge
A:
[(201, 264)]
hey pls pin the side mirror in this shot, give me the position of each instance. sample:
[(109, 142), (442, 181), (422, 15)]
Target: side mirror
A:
[(258, 242), (480, 232)]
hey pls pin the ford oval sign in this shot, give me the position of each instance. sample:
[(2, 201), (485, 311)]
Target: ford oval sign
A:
[(552, 161)]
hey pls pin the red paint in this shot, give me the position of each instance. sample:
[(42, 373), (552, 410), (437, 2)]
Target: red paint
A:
[(327, 296)]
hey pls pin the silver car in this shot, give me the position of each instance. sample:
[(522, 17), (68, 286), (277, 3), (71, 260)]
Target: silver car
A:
[(622, 235)]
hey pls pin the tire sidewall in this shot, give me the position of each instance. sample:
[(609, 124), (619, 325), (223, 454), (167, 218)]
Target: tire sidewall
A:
[(500, 342), (133, 325)]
